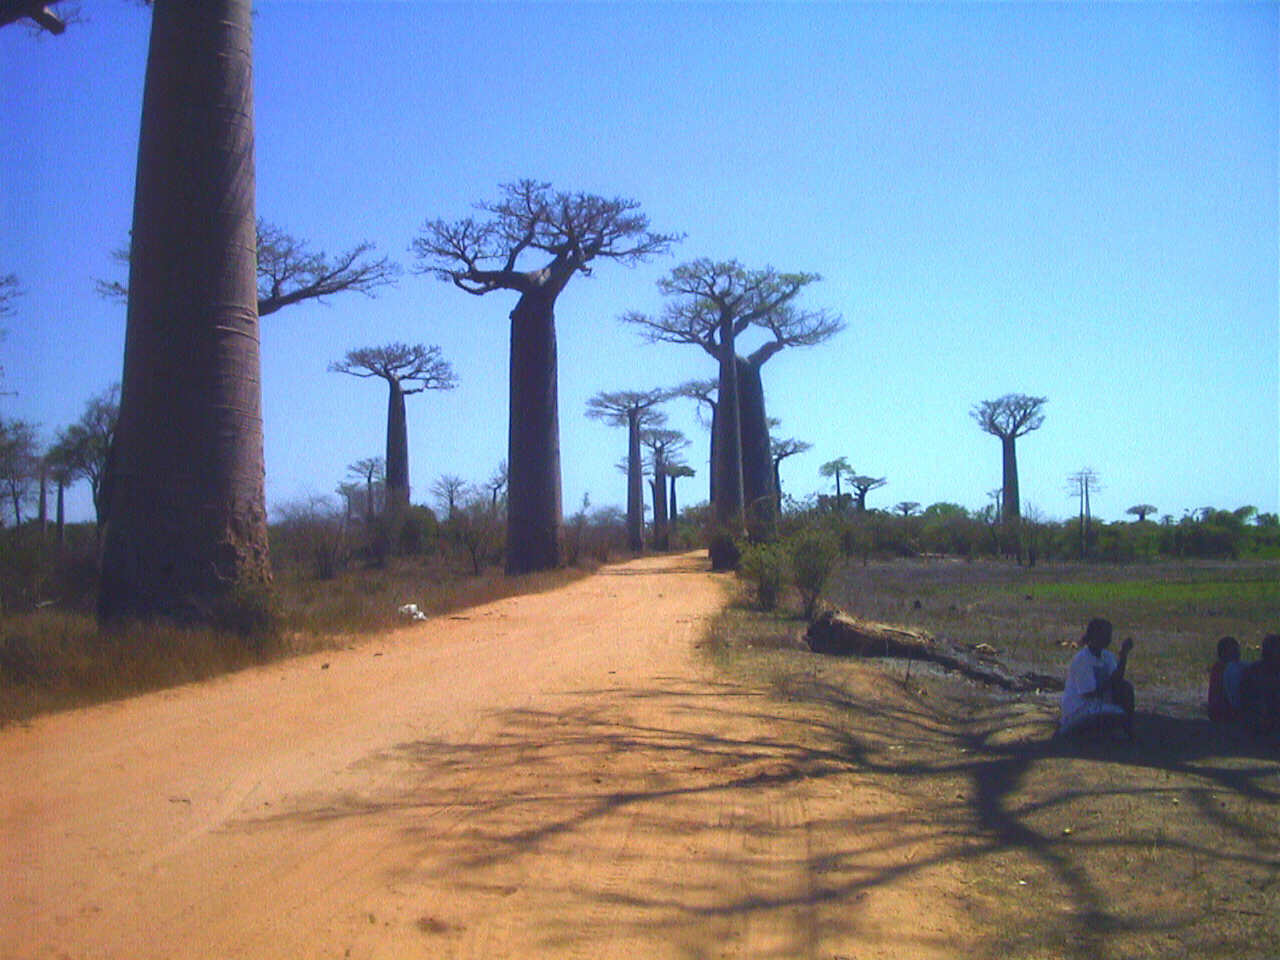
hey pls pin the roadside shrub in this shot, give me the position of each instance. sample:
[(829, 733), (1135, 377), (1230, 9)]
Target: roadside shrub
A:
[(813, 557), (724, 550), (766, 567)]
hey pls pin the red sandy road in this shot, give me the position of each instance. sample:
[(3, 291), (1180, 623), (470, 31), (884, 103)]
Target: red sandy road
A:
[(550, 776)]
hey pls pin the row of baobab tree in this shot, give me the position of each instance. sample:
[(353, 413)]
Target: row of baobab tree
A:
[(185, 485), (185, 491)]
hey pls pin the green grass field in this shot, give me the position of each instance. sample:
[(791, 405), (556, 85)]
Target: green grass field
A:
[(1033, 615)]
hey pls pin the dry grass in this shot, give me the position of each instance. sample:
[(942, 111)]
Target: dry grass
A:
[(1167, 846), (54, 660), (1174, 611)]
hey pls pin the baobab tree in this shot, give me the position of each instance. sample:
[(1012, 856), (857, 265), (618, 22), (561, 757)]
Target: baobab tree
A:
[(862, 485), (837, 468), (1012, 416), (705, 392), (907, 508), (407, 369), (1141, 511), (664, 446), (675, 471), (289, 272), (1082, 485), (633, 409), (187, 509), (570, 231), (781, 450), (712, 305)]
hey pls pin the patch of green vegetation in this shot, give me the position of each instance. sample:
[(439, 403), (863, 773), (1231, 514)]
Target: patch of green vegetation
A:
[(1257, 591)]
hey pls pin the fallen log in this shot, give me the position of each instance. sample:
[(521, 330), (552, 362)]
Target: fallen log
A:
[(842, 634)]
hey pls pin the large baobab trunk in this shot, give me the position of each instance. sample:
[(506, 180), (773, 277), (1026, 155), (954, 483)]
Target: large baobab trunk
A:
[(661, 518), (1011, 508), (187, 517), (534, 511), (635, 485), (757, 457), (728, 504), (397, 479)]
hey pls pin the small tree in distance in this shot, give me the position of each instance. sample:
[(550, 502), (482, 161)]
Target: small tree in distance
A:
[(1141, 511), (570, 230), (837, 468), (863, 485), (1009, 417), (407, 370), (632, 409)]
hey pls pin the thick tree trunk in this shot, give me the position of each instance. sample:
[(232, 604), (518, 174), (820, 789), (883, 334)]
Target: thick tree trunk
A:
[(60, 515), (711, 465), (534, 510), (672, 512), (661, 528), (729, 494), (1011, 507), (777, 486), (187, 513), (757, 457), (42, 509), (397, 483), (635, 485)]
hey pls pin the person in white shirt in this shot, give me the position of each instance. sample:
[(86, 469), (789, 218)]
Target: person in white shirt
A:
[(1097, 696)]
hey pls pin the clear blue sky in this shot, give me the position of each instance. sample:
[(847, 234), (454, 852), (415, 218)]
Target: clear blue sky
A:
[(1070, 200)]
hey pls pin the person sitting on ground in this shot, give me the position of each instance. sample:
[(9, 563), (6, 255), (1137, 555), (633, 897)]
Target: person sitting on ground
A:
[(1097, 696), (1260, 689), (1224, 682)]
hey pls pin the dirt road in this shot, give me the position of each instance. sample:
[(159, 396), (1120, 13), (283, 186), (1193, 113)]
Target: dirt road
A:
[(558, 775)]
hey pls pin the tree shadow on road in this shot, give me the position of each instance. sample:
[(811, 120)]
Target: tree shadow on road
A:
[(810, 810)]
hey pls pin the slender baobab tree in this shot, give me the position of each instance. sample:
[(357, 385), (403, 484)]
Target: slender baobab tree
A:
[(837, 468), (1012, 416), (664, 446), (633, 409), (705, 392), (781, 450), (407, 370), (570, 231), (711, 305), (188, 519), (675, 471)]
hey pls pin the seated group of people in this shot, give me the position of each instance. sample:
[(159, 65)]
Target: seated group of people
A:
[(1246, 694), (1098, 697)]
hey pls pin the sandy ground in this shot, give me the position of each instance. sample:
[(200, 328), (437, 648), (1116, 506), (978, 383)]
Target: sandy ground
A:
[(559, 775)]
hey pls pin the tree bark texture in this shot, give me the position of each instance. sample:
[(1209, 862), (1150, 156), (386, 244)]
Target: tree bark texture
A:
[(187, 517), (635, 484), (661, 528), (757, 456), (1011, 508), (534, 510), (728, 504), (397, 480)]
